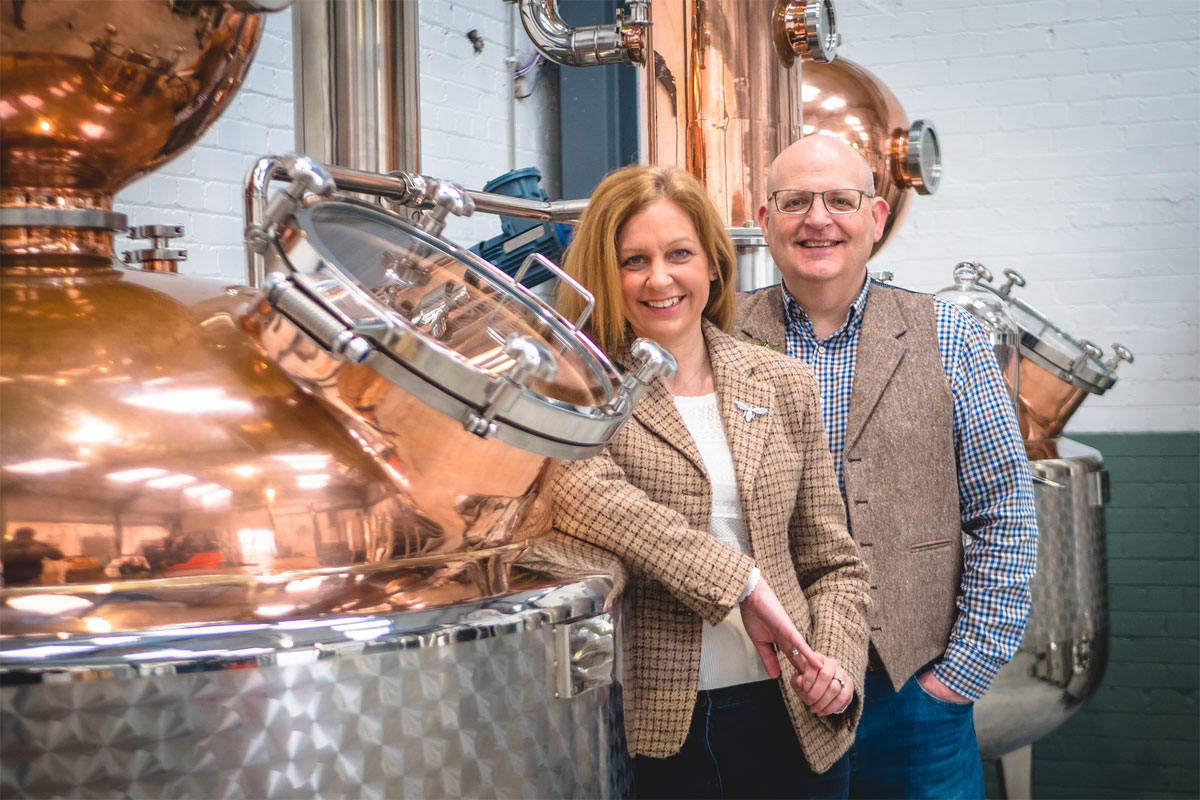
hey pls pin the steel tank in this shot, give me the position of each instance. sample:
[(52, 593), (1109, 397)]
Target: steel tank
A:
[(1064, 651), (288, 536)]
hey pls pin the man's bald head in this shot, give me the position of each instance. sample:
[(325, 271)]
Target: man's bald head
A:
[(817, 153), (822, 253)]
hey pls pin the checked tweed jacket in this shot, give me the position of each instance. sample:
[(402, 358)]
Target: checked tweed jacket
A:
[(648, 500)]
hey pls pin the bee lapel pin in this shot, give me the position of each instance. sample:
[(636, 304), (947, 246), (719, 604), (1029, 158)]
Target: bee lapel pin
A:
[(748, 411)]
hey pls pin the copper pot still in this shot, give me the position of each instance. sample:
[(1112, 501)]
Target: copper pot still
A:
[(164, 437), (143, 434), (848, 102)]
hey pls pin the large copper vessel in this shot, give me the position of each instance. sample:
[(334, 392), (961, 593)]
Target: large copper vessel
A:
[(721, 90), (1057, 372), (143, 431), (247, 556), (848, 102)]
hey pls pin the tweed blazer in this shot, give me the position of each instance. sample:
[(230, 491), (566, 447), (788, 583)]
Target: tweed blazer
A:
[(648, 500), (899, 469)]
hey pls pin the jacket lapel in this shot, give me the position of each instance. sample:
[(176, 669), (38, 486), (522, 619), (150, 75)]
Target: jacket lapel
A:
[(760, 318), (880, 350), (733, 377)]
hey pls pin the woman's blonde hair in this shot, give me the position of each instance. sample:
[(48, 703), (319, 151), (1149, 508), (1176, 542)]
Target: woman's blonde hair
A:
[(592, 256)]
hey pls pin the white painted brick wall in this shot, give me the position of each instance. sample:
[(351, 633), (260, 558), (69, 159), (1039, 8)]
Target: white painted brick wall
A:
[(1071, 131), (202, 188), (1071, 135)]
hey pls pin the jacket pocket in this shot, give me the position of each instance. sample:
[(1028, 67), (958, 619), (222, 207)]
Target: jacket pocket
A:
[(936, 544)]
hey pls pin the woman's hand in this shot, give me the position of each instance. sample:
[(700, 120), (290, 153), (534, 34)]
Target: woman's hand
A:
[(825, 687), (769, 627)]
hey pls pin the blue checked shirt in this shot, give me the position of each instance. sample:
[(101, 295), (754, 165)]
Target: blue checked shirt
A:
[(995, 491)]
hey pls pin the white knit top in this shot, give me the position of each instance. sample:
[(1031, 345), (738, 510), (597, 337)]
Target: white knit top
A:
[(727, 656)]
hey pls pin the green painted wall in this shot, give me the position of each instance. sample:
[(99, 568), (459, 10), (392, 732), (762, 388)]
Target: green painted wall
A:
[(1139, 736)]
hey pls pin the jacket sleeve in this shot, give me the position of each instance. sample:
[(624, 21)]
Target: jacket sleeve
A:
[(594, 502), (828, 565)]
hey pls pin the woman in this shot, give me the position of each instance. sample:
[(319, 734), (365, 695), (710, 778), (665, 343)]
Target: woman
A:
[(720, 499)]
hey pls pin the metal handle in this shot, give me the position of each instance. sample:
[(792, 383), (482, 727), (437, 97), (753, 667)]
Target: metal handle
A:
[(331, 333), (306, 175), (1014, 279), (531, 360), (653, 362), (1090, 351), (981, 272), (565, 278), (1047, 482), (1120, 353), (448, 198)]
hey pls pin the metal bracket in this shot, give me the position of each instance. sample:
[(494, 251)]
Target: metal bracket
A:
[(159, 236), (581, 655), (531, 360)]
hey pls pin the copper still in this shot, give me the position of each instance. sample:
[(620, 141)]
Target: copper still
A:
[(719, 81), (233, 500), (848, 102), (843, 100)]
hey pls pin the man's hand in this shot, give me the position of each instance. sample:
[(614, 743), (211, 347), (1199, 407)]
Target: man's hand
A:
[(930, 683)]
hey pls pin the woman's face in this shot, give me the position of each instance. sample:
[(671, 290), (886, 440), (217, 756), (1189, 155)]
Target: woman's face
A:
[(665, 273)]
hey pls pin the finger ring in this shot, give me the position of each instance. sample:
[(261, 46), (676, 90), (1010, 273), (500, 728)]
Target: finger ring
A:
[(839, 680), (793, 652)]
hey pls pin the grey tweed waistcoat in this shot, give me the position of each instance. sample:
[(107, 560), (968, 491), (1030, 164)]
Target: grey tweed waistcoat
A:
[(899, 470)]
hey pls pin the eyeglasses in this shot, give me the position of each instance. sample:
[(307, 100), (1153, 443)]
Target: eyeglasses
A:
[(837, 201)]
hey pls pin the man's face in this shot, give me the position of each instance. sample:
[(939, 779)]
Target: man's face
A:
[(818, 247)]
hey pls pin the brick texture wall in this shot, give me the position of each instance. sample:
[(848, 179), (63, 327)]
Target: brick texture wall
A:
[(1070, 130)]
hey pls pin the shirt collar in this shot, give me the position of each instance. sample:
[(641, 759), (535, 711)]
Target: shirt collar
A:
[(797, 319)]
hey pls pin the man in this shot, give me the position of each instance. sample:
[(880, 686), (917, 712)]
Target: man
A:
[(928, 453), (23, 556)]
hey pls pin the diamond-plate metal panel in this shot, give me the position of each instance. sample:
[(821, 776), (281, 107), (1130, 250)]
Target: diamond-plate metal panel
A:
[(472, 719), (1065, 648)]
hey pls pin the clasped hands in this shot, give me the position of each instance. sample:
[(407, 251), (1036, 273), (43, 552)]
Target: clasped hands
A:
[(820, 681)]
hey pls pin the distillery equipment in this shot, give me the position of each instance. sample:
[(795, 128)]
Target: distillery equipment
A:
[(719, 93), (1064, 651), (285, 539), (846, 101), (993, 316)]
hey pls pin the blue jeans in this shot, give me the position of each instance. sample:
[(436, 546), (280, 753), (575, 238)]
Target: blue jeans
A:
[(741, 743), (910, 744)]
